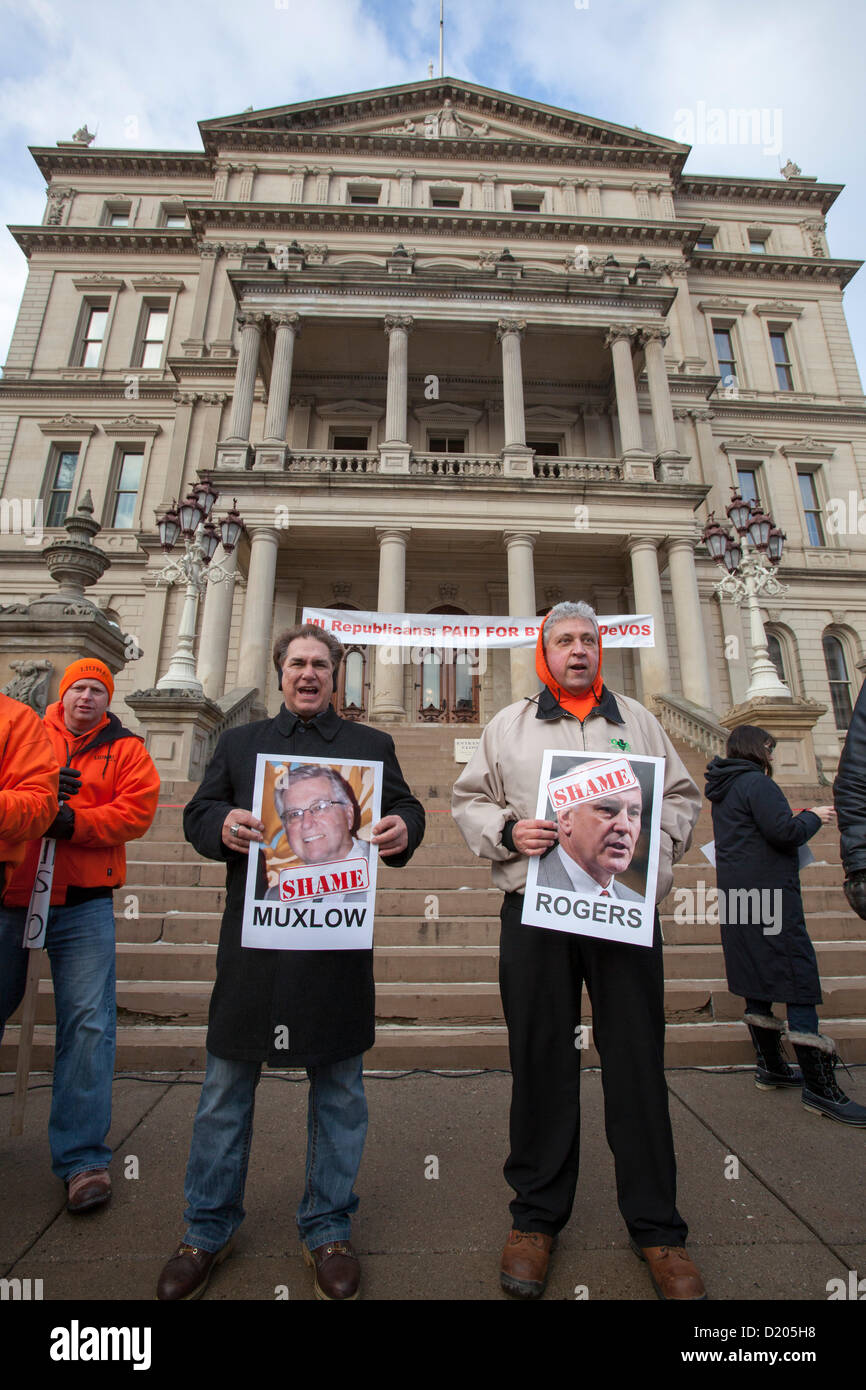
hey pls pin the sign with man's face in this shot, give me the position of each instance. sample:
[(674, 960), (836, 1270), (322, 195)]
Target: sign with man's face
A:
[(311, 884), (600, 877)]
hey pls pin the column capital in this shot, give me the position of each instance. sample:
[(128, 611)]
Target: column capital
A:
[(520, 538), (260, 531), (619, 332), (655, 333), (208, 249), (682, 543), (398, 534), (283, 319), (252, 320), (404, 321), (642, 543), (506, 326)]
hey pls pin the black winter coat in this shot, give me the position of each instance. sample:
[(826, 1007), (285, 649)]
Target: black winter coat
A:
[(326, 999), (849, 791), (757, 838)]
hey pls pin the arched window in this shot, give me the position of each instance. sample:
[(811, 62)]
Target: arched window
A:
[(777, 656), (837, 676)]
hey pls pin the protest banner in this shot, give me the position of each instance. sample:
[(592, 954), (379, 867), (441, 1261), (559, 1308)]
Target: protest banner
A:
[(464, 630), (311, 884), (600, 878)]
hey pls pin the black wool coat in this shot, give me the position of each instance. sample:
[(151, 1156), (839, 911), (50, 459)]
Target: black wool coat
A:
[(326, 999), (757, 838), (849, 791)]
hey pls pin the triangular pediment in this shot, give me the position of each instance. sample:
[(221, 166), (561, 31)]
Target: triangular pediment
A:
[(441, 110)]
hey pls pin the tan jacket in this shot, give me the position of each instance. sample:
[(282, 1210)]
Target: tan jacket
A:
[(500, 783)]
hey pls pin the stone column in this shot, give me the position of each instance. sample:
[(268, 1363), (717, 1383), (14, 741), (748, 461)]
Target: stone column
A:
[(394, 452), (692, 363), (517, 458), (387, 703), (177, 454), (521, 604), (688, 619), (254, 658), (251, 326), (277, 418), (654, 666), (653, 340), (638, 464), (216, 622)]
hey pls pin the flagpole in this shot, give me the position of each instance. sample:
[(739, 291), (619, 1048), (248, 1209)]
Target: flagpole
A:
[(441, 37)]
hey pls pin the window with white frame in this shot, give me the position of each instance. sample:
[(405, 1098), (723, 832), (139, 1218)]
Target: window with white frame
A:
[(90, 338), (127, 484), (446, 196), (758, 242), (59, 481), (153, 327), (117, 214), (812, 510), (747, 479), (726, 359), (526, 201), (363, 194), (173, 215), (447, 443), (782, 359), (838, 679)]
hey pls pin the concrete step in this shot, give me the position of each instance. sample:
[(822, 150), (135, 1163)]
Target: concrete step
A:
[(185, 1002), (166, 1048), (823, 926)]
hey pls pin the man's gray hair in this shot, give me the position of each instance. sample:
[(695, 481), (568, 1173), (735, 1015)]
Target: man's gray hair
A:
[(303, 774), (564, 610)]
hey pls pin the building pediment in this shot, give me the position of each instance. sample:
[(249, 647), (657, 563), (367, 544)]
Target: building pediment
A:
[(436, 110)]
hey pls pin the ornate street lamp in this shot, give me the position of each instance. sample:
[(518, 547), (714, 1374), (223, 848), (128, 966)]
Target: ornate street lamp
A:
[(194, 569), (750, 558)]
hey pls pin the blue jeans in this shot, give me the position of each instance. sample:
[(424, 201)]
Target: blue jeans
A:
[(219, 1154), (80, 945), (802, 1018)]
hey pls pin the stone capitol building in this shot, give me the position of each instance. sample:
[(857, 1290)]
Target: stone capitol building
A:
[(451, 351)]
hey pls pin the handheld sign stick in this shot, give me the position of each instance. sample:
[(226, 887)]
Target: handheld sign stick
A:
[(34, 940)]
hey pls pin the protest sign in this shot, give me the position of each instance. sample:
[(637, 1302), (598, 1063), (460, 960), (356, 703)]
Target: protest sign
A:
[(311, 884), (463, 629), (600, 878)]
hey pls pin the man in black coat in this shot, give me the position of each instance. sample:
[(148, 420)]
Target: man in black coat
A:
[(313, 1009), (849, 793)]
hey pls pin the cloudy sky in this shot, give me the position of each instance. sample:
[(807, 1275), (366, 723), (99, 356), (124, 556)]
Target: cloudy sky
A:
[(143, 72)]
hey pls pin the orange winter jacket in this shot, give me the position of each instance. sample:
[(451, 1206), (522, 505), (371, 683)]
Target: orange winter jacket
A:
[(116, 802), (28, 782)]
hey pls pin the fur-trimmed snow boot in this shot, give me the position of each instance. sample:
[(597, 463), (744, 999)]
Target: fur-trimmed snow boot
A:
[(772, 1071), (821, 1094)]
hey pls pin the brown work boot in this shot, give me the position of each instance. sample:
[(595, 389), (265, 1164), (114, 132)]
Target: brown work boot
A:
[(523, 1267), (337, 1271), (673, 1273), (186, 1274), (87, 1190)]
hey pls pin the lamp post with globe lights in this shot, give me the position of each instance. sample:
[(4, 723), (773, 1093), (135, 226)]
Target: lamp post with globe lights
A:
[(191, 520), (750, 558)]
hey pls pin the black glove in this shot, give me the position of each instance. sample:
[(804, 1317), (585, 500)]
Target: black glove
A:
[(70, 782), (855, 892), (63, 824)]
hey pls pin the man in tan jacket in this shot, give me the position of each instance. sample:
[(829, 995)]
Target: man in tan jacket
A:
[(541, 971)]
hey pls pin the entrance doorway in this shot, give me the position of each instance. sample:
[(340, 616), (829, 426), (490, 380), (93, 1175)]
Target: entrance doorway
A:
[(449, 681)]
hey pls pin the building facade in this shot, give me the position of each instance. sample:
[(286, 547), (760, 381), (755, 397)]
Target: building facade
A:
[(451, 351)]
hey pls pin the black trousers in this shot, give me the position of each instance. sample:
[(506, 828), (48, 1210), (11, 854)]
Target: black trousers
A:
[(540, 976)]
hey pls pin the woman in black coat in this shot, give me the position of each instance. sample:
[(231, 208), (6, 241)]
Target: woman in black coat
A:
[(768, 953)]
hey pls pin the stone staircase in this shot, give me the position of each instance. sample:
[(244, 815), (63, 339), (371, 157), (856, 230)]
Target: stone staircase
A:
[(437, 930)]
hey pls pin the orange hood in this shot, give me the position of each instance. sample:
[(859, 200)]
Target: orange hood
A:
[(578, 705)]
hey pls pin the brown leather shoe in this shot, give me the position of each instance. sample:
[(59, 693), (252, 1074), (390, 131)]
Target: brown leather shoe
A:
[(337, 1270), (523, 1267), (87, 1190), (673, 1273), (186, 1274)]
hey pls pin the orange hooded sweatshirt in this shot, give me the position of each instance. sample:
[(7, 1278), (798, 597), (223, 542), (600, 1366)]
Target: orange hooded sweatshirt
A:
[(116, 802), (578, 705), (28, 782)]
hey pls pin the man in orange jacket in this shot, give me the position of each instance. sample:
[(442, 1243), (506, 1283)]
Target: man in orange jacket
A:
[(108, 792), (28, 783)]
